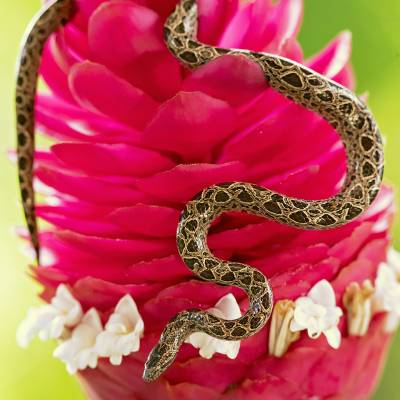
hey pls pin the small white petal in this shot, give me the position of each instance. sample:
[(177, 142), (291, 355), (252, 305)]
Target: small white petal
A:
[(127, 308), (385, 277), (116, 359), (122, 333), (104, 344), (67, 305), (229, 307), (317, 313), (313, 329), (92, 319), (295, 326), (392, 322), (322, 293), (393, 260), (200, 341), (226, 308), (78, 352), (302, 311), (333, 336), (43, 321), (208, 350), (387, 294), (71, 369), (51, 321), (233, 350)]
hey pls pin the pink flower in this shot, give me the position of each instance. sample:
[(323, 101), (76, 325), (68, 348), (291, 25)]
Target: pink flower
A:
[(137, 136)]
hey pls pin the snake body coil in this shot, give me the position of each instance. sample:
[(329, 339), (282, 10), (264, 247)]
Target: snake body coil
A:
[(362, 140), (335, 103)]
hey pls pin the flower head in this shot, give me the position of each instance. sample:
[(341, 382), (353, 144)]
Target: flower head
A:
[(358, 301), (78, 352), (387, 295), (50, 321), (318, 314), (280, 334), (122, 333), (226, 308)]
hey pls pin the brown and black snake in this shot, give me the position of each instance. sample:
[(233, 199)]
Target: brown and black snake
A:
[(336, 104), (49, 19)]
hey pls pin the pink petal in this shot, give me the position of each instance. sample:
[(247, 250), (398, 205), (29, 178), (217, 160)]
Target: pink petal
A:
[(269, 386), (115, 21), (67, 121), (76, 41), (162, 7), (148, 72), (214, 15), (86, 9), (233, 79), (128, 250), (272, 27), (91, 292), (54, 74), (202, 293), (333, 60), (298, 281), (183, 182), (147, 220), (190, 125), (363, 268), (169, 268), (287, 20), (188, 391), (87, 227), (85, 188), (249, 236), (200, 371), (285, 256), (131, 105), (111, 159), (347, 248)]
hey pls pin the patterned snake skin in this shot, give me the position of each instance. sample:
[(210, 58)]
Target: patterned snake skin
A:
[(336, 104), (361, 137), (54, 14)]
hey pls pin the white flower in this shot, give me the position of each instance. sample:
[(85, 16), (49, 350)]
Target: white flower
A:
[(358, 299), (280, 334), (387, 290), (393, 260), (79, 352), (227, 308), (50, 321), (317, 313), (122, 333)]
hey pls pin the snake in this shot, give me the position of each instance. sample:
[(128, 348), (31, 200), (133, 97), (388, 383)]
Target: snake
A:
[(53, 15), (338, 105)]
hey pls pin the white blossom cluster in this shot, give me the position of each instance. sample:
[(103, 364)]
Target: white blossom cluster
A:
[(83, 339)]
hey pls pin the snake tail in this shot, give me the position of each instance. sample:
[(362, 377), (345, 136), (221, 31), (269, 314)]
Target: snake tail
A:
[(51, 17)]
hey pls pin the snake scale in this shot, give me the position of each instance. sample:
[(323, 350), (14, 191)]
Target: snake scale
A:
[(48, 20), (341, 108)]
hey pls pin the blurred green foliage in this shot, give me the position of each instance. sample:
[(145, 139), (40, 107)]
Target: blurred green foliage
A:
[(33, 373)]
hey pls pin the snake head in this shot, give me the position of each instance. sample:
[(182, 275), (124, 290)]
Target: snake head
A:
[(158, 361), (174, 334)]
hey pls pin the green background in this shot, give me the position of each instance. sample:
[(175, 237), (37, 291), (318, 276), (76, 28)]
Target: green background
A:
[(33, 373)]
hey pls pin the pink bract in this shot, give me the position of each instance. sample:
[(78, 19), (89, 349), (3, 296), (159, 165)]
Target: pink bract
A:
[(137, 136)]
